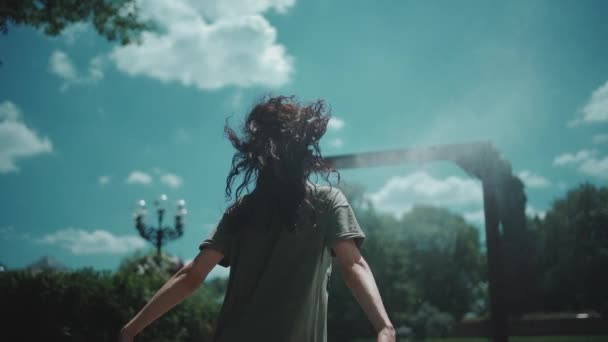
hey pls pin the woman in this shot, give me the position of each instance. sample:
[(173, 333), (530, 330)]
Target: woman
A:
[(279, 239)]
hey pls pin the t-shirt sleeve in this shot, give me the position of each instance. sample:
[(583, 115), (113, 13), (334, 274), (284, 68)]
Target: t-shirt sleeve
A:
[(221, 239), (341, 223)]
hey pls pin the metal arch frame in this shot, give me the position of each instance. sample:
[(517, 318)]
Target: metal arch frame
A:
[(479, 159)]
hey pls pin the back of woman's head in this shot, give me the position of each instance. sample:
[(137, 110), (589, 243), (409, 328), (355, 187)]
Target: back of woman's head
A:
[(277, 152)]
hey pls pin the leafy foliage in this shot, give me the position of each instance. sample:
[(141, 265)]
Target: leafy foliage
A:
[(429, 269), (572, 252), (116, 20), (428, 321), (149, 264), (428, 265), (89, 305)]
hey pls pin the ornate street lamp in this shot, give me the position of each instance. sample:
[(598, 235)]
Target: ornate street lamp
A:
[(160, 234)]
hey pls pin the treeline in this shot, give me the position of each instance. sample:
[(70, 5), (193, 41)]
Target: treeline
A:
[(90, 305), (429, 265), (571, 253), (431, 268)]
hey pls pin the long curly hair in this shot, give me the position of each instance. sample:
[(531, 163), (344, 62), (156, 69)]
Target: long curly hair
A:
[(277, 152)]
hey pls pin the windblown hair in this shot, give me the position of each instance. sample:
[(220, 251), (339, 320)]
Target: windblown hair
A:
[(278, 151)]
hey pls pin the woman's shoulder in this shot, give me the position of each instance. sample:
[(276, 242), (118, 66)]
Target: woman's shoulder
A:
[(328, 195)]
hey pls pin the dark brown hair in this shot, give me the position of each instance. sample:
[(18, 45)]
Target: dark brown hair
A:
[(277, 151)]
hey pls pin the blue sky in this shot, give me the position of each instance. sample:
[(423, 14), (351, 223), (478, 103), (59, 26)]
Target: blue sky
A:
[(88, 127)]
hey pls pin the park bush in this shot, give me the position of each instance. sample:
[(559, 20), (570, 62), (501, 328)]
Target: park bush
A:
[(89, 305), (428, 321)]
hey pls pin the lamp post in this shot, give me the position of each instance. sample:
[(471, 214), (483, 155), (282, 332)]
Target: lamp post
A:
[(160, 234)]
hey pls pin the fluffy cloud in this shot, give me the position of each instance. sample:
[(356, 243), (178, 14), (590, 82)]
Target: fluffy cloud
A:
[(595, 167), (103, 180), (10, 233), (475, 217), (336, 142), (596, 109), (533, 180), (573, 158), (586, 161), (533, 211), (600, 138), (335, 123), (478, 216), (71, 33), (182, 136), (171, 180), (61, 65), (400, 193), (214, 9), (237, 48), (139, 177), (80, 241), (16, 139)]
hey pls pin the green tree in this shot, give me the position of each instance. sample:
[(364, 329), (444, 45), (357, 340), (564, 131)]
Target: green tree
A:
[(429, 258), (573, 251), (116, 20), (447, 264), (89, 305), (147, 263)]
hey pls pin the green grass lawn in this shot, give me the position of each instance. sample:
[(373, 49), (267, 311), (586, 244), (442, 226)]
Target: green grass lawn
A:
[(530, 339), (522, 339)]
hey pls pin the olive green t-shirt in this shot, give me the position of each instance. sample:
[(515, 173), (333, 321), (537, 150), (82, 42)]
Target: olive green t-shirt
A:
[(278, 284)]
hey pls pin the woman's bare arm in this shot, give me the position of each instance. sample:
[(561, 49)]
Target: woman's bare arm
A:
[(359, 278), (175, 290)]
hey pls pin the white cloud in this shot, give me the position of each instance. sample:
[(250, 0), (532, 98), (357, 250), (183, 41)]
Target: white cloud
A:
[(336, 142), (139, 177), (103, 180), (80, 241), (96, 69), (533, 211), (587, 162), (6, 232), (9, 111), (533, 180), (478, 216), (61, 65), (10, 233), (219, 272), (595, 167), (172, 180), (215, 9), (238, 48), (335, 123), (596, 109), (182, 136), (16, 139), (71, 33), (600, 138), (400, 193), (573, 158), (475, 217)]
